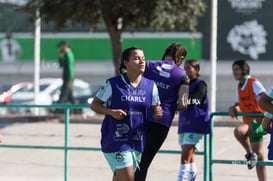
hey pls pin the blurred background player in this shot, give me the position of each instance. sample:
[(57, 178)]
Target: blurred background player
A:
[(194, 122), (10, 49), (250, 133), (66, 61)]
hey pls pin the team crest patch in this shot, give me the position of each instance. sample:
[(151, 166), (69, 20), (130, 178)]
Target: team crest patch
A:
[(119, 157), (191, 136)]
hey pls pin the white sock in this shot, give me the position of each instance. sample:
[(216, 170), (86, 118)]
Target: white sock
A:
[(183, 174), (193, 172)]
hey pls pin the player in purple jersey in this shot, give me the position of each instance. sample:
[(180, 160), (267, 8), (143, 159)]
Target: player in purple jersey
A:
[(125, 100), (171, 80), (194, 122)]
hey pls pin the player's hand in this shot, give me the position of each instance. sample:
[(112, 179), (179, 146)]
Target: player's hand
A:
[(233, 112), (70, 84), (61, 53), (183, 94), (157, 112), (118, 114)]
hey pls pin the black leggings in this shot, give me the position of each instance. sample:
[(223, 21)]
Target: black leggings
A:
[(155, 136)]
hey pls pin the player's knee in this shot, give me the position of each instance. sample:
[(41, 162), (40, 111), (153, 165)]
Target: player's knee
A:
[(260, 156), (236, 132)]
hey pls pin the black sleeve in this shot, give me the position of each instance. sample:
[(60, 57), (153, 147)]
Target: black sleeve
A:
[(199, 92)]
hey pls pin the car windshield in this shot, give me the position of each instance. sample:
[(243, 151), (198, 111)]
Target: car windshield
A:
[(26, 88), (4, 88), (42, 88), (81, 91)]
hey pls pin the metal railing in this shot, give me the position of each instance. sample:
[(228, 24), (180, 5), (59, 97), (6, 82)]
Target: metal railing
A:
[(211, 146), (66, 147)]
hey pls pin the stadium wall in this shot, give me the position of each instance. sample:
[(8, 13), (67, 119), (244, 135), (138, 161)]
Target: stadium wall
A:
[(97, 46)]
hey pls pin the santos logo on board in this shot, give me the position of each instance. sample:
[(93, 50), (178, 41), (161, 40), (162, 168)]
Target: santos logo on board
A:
[(248, 38)]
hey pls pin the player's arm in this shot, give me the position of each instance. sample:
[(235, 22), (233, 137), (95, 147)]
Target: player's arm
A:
[(233, 110), (199, 93), (70, 65), (104, 95), (183, 94), (155, 108), (267, 124), (97, 106), (265, 102)]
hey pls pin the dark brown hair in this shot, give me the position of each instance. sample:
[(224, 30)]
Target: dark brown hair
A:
[(125, 55), (194, 63), (243, 65), (175, 50)]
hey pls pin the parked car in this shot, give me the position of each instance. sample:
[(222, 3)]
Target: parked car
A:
[(94, 87), (6, 90), (50, 89)]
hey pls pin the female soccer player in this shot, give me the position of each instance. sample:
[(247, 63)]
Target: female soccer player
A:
[(125, 100), (171, 80), (250, 132), (194, 121)]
